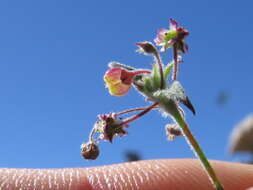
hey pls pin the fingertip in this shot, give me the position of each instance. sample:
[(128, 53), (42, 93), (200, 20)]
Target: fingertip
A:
[(44, 179), (174, 174)]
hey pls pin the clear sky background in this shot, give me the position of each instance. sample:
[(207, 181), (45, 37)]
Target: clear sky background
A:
[(53, 55)]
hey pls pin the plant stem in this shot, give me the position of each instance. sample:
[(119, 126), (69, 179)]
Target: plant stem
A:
[(137, 72), (137, 116), (159, 63), (132, 110), (174, 76), (93, 131), (199, 153)]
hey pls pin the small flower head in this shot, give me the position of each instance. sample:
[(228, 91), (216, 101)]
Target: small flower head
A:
[(110, 126), (175, 35), (172, 131), (89, 151)]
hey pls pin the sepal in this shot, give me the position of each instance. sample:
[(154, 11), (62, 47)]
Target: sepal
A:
[(115, 64)]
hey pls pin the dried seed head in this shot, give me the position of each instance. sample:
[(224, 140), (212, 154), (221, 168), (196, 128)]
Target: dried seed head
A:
[(90, 150), (172, 131), (110, 126)]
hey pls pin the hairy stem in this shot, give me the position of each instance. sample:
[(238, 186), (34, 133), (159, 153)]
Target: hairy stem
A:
[(93, 131), (139, 114), (132, 110), (175, 67), (199, 153), (159, 63)]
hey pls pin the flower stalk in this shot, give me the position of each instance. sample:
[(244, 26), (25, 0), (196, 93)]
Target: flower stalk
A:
[(131, 110), (137, 116), (175, 66)]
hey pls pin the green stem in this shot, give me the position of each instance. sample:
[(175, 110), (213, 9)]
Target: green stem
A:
[(199, 153)]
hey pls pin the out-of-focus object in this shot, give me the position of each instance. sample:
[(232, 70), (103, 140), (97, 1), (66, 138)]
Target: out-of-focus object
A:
[(241, 139), (132, 156), (222, 98)]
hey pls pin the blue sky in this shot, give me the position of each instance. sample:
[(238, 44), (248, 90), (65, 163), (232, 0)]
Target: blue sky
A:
[(53, 55)]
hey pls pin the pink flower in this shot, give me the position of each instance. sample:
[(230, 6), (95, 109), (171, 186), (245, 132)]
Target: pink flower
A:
[(160, 38), (175, 35), (119, 80)]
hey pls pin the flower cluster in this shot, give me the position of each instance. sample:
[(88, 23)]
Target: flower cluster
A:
[(151, 83)]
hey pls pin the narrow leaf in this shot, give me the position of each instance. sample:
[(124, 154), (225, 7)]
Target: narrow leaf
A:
[(179, 95), (167, 70)]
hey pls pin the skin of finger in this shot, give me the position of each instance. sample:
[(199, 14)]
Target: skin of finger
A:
[(180, 174)]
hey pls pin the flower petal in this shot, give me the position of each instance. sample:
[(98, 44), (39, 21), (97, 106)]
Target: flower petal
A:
[(119, 89), (173, 24), (112, 75), (160, 36), (113, 80)]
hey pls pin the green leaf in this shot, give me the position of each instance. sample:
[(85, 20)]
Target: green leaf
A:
[(167, 70), (173, 95), (156, 77), (177, 90), (178, 94), (115, 64), (166, 101)]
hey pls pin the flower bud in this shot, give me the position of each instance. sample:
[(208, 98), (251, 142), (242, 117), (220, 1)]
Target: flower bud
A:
[(89, 151), (119, 80), (146, 47)]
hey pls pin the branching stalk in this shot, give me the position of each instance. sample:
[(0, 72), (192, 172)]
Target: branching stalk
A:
[(137, 116), (132, 110)]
